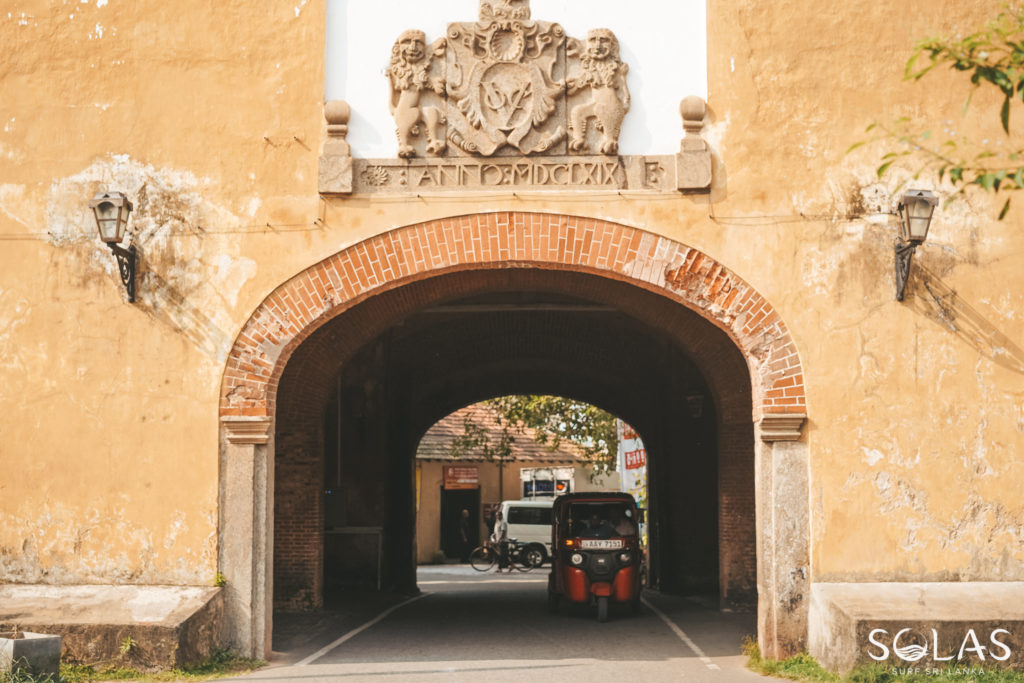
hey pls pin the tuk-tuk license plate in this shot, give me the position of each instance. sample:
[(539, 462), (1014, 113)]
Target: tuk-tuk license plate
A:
[(601, 544)]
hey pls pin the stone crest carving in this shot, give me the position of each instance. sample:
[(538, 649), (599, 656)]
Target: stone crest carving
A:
[(506, 91), (514, 104), (499, 87)]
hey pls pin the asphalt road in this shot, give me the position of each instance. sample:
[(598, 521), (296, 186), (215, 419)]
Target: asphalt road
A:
[(468, 626)]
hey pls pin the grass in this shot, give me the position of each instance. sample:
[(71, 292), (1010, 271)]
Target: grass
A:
[(22, 676), (805, 668), (221, 663)]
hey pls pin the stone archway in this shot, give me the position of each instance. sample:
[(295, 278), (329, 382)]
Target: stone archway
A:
[(514, 240)]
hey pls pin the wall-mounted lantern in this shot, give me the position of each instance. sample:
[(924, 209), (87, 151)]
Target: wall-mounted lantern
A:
[(112, 210), (915, 217)]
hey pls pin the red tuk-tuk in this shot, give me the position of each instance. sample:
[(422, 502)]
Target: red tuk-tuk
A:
[(596, 554)]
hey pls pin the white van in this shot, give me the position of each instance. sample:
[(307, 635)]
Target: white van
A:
[(529, 522)]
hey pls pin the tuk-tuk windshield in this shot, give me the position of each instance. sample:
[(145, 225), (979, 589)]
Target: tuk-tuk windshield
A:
[(601, 520)]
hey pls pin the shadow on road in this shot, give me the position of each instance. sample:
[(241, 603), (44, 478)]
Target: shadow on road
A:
[(503, 616)]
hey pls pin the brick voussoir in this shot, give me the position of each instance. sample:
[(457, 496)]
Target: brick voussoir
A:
[(521, 239)]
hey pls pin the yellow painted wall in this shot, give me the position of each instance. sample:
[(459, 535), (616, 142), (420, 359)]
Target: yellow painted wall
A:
[(428, 516), (209, 116)]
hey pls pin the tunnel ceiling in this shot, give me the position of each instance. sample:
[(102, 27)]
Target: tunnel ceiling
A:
[(457, 338)]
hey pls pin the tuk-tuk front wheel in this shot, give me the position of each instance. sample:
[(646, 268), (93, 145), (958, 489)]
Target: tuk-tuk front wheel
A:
[(602, 608)]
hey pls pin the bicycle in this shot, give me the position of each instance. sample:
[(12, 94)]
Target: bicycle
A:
[(520, 555)]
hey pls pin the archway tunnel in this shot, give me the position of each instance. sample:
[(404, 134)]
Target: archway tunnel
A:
[(358, 394)]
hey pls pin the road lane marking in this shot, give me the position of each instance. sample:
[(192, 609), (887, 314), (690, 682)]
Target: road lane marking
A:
[(479, 581), (356, 631), (682, 636)]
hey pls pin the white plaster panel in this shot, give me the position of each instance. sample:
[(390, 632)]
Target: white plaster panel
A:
[(664, 43)]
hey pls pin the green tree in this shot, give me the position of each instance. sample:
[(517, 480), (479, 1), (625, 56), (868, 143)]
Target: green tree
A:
[(554, 419), (992, 57)]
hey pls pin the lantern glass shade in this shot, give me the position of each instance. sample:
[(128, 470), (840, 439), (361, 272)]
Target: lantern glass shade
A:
[(111, 210), (108, 217), (916, 209)]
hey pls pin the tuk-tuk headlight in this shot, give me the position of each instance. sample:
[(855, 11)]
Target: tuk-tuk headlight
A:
[(576, 559), (625, 557)]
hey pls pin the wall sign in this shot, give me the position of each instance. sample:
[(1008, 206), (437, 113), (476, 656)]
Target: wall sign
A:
[(461, 478)]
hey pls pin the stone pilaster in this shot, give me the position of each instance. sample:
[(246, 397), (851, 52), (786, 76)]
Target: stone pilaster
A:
[(783, 546), (245, 555)]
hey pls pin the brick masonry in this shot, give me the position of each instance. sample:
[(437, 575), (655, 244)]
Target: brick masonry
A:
[(511, 239)]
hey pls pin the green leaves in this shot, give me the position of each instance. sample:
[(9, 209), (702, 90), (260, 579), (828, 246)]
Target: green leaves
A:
[(552, 420), (988, 181), (992, 57)]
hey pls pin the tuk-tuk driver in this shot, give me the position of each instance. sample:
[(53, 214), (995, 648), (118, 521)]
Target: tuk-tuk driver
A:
[(599, 528)]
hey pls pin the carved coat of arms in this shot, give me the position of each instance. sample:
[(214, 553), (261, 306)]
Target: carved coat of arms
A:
[(509, 103), (506, 83), (507, 86)]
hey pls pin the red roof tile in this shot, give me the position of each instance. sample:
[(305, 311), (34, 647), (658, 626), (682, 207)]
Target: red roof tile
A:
[(436, 443)]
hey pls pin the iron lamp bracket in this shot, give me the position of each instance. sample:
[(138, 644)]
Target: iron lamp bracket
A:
[(904, 255), (126, 260)]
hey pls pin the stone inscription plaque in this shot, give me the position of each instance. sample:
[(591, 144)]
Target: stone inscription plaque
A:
[(509, 103), (587, 173)]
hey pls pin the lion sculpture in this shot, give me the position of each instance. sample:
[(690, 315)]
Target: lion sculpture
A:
[(409, 73), (604, 74)]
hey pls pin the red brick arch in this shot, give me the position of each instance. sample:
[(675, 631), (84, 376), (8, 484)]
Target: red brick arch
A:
[(511, 239)]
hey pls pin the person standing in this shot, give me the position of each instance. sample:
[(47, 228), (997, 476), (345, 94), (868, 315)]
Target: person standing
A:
[(464, 536), (500, 540)]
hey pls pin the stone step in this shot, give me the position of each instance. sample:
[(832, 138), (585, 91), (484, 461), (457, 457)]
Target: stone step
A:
[(924, 626), (171, 626)]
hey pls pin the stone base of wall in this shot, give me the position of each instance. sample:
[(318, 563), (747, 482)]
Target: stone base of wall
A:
[(922, 626), (170, 626)]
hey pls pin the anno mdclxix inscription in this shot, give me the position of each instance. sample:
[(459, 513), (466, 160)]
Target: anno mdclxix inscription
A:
[(535, 173)]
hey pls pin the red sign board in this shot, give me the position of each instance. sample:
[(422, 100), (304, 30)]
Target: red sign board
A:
[(636, 459), (461, 477)]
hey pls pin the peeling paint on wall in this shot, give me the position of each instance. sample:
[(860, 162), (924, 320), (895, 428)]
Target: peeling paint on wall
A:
[(180, 281), (62, 544)]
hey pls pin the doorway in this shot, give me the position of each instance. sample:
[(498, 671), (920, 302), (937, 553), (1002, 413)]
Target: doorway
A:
[(453, 502)]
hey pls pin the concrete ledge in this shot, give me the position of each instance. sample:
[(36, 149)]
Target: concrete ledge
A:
[(967, 625), (172, 626)]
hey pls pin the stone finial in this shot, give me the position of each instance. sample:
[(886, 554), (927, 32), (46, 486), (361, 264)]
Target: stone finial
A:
[(693, 165), (693, 110), (337, 113), (335, 172)]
